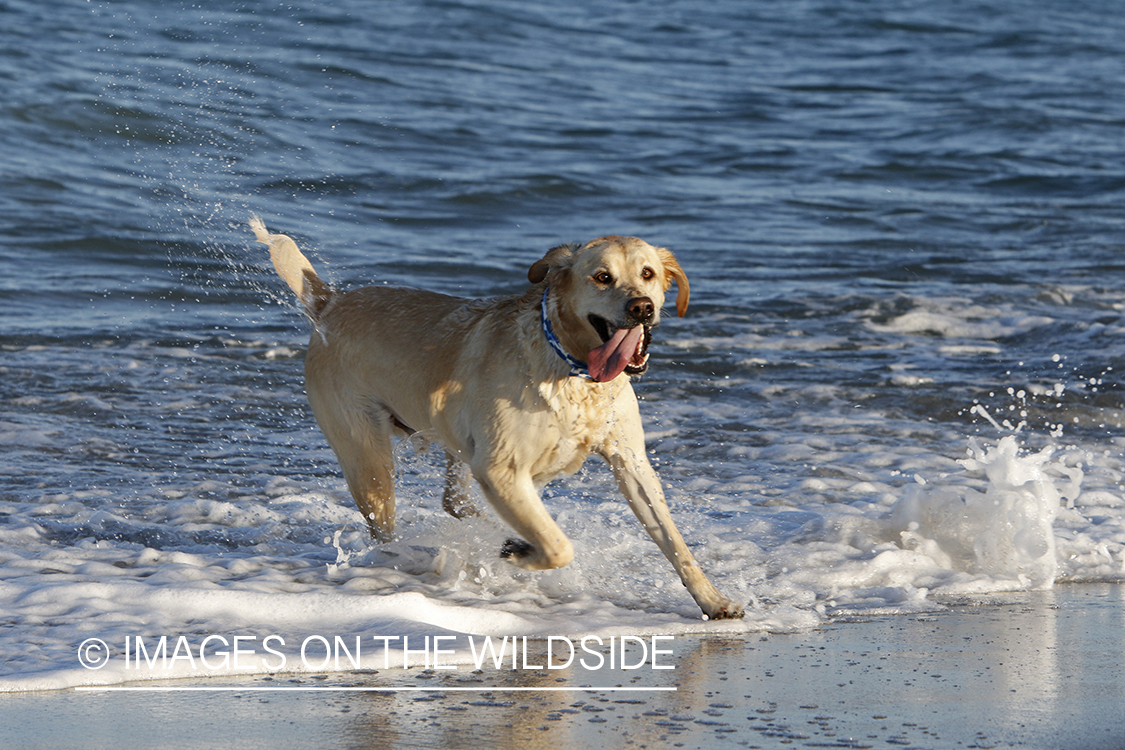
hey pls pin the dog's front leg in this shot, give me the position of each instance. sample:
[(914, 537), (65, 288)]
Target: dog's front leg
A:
[(512, 493), (641, 486)]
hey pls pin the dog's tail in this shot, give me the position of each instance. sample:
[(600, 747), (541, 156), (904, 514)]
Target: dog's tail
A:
[(295, 269)]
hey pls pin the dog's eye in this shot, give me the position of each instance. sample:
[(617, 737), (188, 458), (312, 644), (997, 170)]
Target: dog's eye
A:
[(647, 274), (603, 277)]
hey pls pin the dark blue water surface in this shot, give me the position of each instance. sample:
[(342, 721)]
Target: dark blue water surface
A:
[(888, 211)]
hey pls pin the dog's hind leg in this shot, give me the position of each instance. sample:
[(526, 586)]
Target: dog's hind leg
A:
[(455, 500), (369, 470), (361, 440)]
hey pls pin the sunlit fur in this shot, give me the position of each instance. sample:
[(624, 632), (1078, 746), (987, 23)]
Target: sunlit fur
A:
[(479, 378)]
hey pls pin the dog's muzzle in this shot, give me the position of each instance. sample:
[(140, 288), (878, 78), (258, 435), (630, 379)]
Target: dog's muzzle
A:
[(624, 348)]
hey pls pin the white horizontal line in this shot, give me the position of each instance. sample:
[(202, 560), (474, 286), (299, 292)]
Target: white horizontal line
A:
[(342, 689)]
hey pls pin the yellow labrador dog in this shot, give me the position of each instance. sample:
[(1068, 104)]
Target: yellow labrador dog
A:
[(520, 389)]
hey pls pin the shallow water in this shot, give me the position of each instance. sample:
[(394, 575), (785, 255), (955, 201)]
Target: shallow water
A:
[(1036, 669), (901, 223)]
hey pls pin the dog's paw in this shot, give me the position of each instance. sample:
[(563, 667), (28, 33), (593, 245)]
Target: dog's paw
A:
[(729, 611), (516, 548)]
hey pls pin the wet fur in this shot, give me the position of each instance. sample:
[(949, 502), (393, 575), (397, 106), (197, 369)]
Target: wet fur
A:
[(478, 377)]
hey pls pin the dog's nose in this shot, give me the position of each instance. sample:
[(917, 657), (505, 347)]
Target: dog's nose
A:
[(640, 309)]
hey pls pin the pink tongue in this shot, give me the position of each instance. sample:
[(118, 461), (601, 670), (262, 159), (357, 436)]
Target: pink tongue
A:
[(611, 358)]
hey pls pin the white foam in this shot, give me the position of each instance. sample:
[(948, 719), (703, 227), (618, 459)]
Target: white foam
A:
[(814, 518), (1004, 530), (959, 318)]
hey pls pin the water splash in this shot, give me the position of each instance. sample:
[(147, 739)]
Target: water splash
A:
[(1002, 527)]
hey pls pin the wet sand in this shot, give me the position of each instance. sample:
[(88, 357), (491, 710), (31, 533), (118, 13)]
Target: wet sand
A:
[(1031, 670)]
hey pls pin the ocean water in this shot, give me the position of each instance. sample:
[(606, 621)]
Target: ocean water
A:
[(898, 386)]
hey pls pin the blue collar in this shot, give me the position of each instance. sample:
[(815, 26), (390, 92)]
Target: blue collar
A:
[(578, 369)]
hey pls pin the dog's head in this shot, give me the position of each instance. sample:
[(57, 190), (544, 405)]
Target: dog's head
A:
[(608, 294)]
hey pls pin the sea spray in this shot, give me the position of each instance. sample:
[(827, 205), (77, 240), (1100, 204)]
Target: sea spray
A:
[(1004, 530)]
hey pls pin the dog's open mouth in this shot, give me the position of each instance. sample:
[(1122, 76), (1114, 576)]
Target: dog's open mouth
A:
[(624, 350)]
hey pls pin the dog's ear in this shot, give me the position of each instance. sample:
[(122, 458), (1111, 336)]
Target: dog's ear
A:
[(673, 272), (556, 258)]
